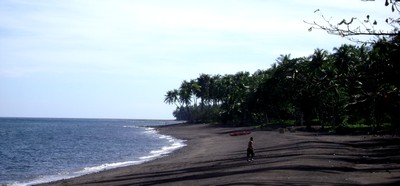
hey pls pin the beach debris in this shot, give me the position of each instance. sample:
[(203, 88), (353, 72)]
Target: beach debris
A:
[(239, 133)]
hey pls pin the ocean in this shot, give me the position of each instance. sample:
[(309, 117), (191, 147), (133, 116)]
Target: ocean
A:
[(40, 150)]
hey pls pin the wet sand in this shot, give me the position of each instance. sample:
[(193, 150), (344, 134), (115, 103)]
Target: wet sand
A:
[(213, 157)]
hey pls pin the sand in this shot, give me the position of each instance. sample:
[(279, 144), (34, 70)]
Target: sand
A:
[(213, 157)]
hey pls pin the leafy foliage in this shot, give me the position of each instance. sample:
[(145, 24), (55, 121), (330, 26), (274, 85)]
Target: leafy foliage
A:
[(351, 85)]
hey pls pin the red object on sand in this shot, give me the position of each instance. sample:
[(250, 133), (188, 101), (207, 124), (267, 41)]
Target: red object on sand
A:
[(239, 133)]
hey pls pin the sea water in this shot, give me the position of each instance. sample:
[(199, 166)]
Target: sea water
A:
[(40, 150)]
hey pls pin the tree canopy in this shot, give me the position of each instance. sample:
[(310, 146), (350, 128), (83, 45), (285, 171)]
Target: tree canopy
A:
[(351, 84)]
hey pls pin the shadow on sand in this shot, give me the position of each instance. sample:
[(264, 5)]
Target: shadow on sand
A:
[(354, 157)]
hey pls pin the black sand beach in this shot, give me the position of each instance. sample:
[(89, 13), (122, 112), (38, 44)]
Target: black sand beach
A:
[(213, 157)]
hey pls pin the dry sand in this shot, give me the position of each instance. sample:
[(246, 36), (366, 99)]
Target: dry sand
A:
[(213, 157)]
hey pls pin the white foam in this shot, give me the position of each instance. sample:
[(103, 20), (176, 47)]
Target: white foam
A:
[(107, 166), (130, 126), (175, 144), (150, 130), (154, 154), (43, 179)]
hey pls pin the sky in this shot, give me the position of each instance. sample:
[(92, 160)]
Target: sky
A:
[(118, 58)]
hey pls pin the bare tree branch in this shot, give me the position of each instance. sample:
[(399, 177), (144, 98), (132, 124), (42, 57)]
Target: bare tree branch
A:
[(359, 27)]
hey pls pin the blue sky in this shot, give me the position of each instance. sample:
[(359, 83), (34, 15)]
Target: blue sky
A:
[(117, 58)]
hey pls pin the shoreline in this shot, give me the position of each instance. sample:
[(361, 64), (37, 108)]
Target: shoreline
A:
[(213, 157), (152, 155)]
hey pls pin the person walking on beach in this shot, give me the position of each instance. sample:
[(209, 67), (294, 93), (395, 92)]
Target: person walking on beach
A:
[(250, 150)]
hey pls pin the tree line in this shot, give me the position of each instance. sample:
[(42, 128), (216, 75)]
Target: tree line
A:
[(351, 85)]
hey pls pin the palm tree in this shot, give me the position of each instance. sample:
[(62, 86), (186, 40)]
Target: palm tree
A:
[(185, 93), (172, 97), (345, 57), (204, 82), (215, 93)]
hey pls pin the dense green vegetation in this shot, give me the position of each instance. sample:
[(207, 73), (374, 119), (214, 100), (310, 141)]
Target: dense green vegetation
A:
[(351, 85)]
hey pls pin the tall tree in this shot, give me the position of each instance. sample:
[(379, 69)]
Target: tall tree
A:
[(172, 97), (204, 82)]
